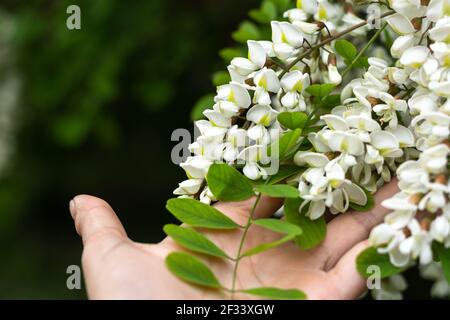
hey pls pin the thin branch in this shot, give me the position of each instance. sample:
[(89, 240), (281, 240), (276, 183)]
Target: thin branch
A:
[(330, 39), (241, 245), (364, 49)]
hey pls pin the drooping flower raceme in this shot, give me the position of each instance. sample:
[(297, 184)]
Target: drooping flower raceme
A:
[(357, 133)]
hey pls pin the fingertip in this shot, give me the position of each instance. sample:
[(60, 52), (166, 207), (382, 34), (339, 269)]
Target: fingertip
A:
[(85, 202), (93, 215)]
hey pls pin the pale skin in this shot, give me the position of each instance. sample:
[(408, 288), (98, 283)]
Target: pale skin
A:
[(116, 267)]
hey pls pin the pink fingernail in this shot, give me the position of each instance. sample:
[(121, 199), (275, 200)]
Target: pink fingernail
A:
[(73, 209)]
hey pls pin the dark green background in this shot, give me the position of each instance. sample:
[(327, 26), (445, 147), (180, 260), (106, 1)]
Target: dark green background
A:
[(96, 114)]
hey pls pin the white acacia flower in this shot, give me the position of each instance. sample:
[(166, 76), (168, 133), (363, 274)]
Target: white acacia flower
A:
[(382, 234), (401, 44), (252, 156), (418, 245), (346, 143), (324, 185), (226, 108), (311, 159), (388, 110), (256, 59), (440, 228), (188, 187), (326, 11), (400, 24), (441, 30), (196, 167), (207, 129), (441, 51), (236, 140), (433, 271), (431, 128), (333, 76), (434, 159), (308, 6), (387, 239), (415, 57), (307, 28), (295, 15), (217, 119), (267, 79), (362, 125), (207, 147), (404, 136), (391, 288), (295, 81), (398, 76), (286, 39), (409, 8), (206, 196), (423, 101), (263, 115), (439, 80), (235, 93), (437, 9), (386, 143)]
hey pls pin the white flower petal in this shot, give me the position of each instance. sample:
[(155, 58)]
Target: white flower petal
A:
[(356, 194), (335, 123), (312, 159), (400, 24), (256, 53)]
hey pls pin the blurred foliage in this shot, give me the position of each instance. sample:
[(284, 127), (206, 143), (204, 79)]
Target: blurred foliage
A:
[(255, 27), (95, 115)]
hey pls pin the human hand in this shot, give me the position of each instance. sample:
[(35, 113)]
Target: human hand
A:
[(115, 267)]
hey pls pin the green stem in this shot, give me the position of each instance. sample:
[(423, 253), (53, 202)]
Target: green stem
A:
[(241, 245), (364, 49), (328, 40)]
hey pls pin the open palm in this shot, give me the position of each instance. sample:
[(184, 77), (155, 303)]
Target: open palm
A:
[(115, 267)]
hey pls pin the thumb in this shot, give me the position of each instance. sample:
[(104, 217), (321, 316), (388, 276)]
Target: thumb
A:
[(95, 220)]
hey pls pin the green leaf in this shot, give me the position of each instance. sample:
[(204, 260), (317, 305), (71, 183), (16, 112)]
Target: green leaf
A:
[(320, 91), (280, 226), (444, 258), (331, 101), (369, 205), (220, 78), (287, 145), (228, 184), (293, 120), (275, 225), (282, 5), (284, 172), (346, 50), (201, 105), (278, 191), (193, 240), (198, 214), (362, 62), (247, 31), (192, 270), (266, 13), (276, 293), (227, 54), (314, 231), (267, 246), (369, 258)]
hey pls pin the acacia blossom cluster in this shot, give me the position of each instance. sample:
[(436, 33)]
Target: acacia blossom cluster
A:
[(420, 211), (360, 145), (393, 120), (242, 123)]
